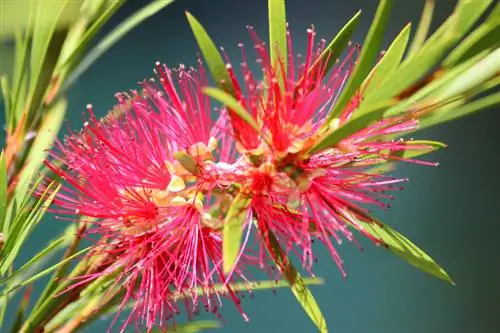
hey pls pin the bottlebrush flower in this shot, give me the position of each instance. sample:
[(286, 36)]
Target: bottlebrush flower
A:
[(297, 193), (157, 224)]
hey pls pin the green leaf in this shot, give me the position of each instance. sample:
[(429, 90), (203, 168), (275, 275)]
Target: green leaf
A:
[(213, 59), (45, 49), (475, 75), (15, 16), (423, 27), (3, 192), (20, 78), (277, 34), (387, 64), (333, 51), (355, 124), (297, 285), (23, 306), (43, 273), (233, 105), (23, 224), (428, 95), (460, 111), (404, 248), (100, 289), (45, 137), (414, 68), (192, 327), (4, 85), (482, 38), (91, 32), (41, 257), (233, 229), (431, 146), (367, 57), (111, 38)]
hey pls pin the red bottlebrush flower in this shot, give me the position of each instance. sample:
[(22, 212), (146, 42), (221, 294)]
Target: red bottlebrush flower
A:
[(301, 196), (155, 224)]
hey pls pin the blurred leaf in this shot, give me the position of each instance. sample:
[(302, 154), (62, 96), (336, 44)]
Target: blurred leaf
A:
[(403, 247), (40, 258), (233, 105), (111, 38), (329, 140), (20, 80), (3, 194), (297, 285), (97, 290), (45, 50), (472, 77), (423, 27), (45, 137), (427, 94), (23, 306), (387, 64), (213, 59), (461, 111), (4, 85), (233, 229), (15, 15), (482, 38), (82, 44), (43, 273), (192, 327), (431, 146), (278, 35), (23, 224), (333, 51), (414, 68), (366, 59)]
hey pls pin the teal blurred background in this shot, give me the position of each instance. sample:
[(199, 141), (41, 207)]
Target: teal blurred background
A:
[(450, 211)]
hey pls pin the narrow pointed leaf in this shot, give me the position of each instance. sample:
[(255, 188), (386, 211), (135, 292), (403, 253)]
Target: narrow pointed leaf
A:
[(371, 47), (3, 191), (112, 38), (431, 146), (387, 64), (233, 105), (45, 137), (43, 273), (423, 27), (277, 32), (482, 38), (91, 32), (233, 229), (450, 32), (405, 249), (297, 285), (475, 75), (461, 111), (375, 113), (213, 59), (192, 327), (333, 51)]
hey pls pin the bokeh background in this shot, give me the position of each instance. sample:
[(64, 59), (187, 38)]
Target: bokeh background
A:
[(449, 211)]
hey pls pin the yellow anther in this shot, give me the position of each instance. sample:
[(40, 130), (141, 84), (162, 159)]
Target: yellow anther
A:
[(176, 184), (198, 149), (161, 198), (268, 168), (212, 144), (334, 124), (178, 201), (296, 146)]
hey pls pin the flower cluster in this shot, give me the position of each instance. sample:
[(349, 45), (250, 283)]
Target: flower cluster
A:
[(157, 178)]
